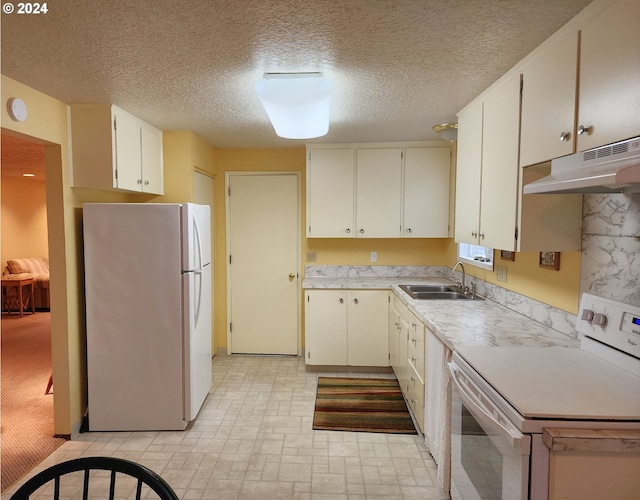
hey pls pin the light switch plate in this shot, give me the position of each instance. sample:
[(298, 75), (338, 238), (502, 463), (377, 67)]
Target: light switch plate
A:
[(312, 256), (374, 256)]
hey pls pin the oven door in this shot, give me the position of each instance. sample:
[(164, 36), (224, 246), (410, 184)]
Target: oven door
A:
[(489, 455)]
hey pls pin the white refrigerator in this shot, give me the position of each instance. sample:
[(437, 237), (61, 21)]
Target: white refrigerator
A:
[(148, 314)]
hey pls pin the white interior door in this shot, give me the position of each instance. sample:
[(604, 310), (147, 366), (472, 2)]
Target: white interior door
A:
[(263, 263)]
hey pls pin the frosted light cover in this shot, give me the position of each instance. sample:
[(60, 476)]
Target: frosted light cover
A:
[(298, 105)]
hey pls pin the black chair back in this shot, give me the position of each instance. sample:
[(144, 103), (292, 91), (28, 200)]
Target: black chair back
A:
[(143, 475)]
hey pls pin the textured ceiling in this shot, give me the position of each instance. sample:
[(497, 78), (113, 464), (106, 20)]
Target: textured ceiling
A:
[(22, 157), (397, 67)]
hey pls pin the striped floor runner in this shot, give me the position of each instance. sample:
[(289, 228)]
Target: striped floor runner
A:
[(361, 404)]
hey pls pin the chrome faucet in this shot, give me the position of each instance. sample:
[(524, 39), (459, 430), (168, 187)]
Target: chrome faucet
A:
[(462, 284)]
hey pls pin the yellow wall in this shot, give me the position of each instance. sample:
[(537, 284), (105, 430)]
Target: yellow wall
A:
[(561, 288), (357, 251), (24, 218)]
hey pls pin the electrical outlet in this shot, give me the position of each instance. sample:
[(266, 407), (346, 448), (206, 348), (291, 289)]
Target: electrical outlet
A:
[(312, 256), (374, 256), (501, 273)]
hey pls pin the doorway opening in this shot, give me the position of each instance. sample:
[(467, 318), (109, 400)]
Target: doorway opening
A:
[(27, 399)]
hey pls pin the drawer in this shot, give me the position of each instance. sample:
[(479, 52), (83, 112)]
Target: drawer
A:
[(415, 348), (415, 397)]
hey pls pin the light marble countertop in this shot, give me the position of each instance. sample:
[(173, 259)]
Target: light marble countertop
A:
[(457, 322)]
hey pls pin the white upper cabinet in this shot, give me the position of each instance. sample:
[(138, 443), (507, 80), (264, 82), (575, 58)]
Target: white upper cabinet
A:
[(609, 104), (582, 87), (490, 208), (378, 193), (390, 190), (469, 170), (499, 193), (487, 177), (549, 101), (330, 193), (112, 149), (427, 173)]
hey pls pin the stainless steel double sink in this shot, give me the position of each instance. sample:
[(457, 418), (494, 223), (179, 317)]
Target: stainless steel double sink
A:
[(437, 292)]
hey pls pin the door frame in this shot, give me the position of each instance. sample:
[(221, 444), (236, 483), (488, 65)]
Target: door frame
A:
[(228, 177)]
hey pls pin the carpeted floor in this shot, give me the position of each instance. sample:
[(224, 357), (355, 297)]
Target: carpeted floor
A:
[(27, 413), (361, 404)]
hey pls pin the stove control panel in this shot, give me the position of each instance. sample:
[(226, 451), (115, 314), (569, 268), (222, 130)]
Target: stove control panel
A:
[(609, 322)]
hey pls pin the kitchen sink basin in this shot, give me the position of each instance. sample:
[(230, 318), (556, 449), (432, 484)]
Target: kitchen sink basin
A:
[(436, 292), (428, 288)]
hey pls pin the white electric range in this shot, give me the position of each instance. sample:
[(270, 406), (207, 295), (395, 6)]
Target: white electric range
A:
[(503, 397)]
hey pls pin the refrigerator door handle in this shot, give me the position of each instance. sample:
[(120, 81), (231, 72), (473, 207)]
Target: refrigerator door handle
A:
[(198, 270)]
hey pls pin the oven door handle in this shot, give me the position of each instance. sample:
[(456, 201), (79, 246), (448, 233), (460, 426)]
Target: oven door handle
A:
[(494, 418)]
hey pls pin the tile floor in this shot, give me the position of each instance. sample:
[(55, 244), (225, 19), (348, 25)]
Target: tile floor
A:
[(253, 439)]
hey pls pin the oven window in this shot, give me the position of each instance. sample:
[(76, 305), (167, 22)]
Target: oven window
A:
[(480, 458)]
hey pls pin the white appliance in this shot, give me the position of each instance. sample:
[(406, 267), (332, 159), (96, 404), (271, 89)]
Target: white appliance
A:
[(149, 320), (614, 168), (503, 397)]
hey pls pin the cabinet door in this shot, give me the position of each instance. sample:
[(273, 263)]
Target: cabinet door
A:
[(402, 371), (426, 192), (610, 76), (128, 153), (330, 193), (548, 102), (469, 168), (378, 193), (394, 329), (437, 410), (499, 198), (326, 327), (152, 171), (367, 320)]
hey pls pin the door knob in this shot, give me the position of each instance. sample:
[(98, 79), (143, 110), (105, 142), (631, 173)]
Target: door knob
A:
[(291, 276)]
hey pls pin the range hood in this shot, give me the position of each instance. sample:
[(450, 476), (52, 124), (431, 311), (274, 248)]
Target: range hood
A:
[(614, 168)]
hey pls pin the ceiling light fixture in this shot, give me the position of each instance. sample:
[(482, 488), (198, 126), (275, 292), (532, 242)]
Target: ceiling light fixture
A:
[(447, 130), (298, 104)]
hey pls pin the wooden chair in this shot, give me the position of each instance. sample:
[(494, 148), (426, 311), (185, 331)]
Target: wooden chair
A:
[(116, 466)]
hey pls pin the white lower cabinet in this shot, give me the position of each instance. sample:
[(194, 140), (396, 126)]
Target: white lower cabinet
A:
[(347, 327), (406, 340), (416, 368), (437, 399)]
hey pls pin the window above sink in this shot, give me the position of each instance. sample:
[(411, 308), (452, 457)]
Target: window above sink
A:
[(475, 255)]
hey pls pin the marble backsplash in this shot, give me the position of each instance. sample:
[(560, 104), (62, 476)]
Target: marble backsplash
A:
[(611, 247)]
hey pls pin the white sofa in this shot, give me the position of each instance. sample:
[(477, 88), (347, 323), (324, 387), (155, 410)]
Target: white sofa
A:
[(39, 268)]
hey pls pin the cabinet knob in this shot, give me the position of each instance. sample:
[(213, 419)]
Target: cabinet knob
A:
[(481, 236), (584, 130), (413, 360), (139, 181), (348, 230), (341, 300), (564, 136), (409, 230), (361, 231), (355, 301), (474, 234), (146, 183)]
